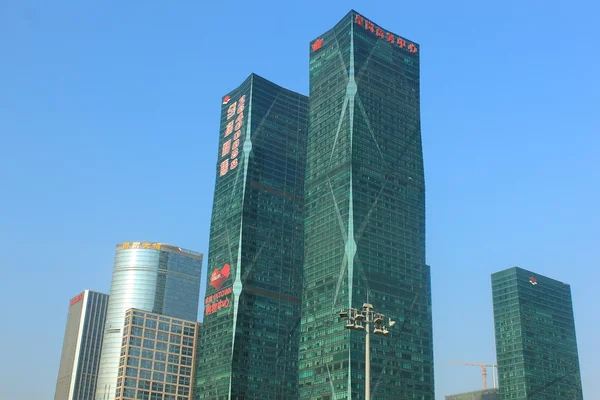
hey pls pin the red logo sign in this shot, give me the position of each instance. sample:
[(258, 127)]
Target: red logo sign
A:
[(218, 278), (76, 299), (226, 99), (317, 44), (533, 281)]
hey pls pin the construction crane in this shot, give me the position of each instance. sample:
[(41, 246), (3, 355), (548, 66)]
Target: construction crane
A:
[(483, 370)]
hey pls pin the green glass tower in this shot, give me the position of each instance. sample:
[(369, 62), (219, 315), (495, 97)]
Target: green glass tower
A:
[(365, 217), (249, 340), (536, 346)]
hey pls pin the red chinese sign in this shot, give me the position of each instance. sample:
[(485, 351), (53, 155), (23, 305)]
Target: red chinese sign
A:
[(218, 278), (217, 301), (230, 148), (388, 36), (76, 299)]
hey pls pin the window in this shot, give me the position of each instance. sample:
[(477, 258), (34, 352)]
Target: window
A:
[(134, 341), (186, 360), (175, 339), (133, 362), (172, 368), (173, 348), (188, 331), (134, 351), (173, 359), (188, 341), (138, 321), (147, 354), (170, 388), (160, 356), (163, 326), (163, 336), (130, 382), (158, 387), (187, 351), (143, 384), (184, 390), (146, 364), (148, 344), (187, 371), (150, 334), (184, 381), (136, 331), (161, 346), (131, 372), (158, 376), (150, 324), (176, 329), (159, 366), (145, 374), (129, 393), (143, 395)]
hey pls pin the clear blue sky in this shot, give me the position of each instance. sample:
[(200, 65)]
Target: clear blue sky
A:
[(109, 116)]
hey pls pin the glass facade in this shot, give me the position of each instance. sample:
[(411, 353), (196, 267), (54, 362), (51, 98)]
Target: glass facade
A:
[(153, 277), (536, 345), (157, 357), (80, 357), (249, 340), (365, 217)]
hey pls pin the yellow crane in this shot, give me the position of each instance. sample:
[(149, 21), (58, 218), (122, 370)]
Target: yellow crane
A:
[(483, 370)]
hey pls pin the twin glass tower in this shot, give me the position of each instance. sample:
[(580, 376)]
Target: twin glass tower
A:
[(320, 206)]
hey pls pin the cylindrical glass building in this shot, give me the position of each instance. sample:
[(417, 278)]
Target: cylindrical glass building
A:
[(153, 277)]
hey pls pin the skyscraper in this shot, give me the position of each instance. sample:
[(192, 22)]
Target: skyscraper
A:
[(154, 277), (80, 358), (365, 216), (249, 340), (157, 357), (536, 345)]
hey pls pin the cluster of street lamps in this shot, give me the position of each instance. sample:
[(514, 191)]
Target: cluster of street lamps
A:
[(360, 320)]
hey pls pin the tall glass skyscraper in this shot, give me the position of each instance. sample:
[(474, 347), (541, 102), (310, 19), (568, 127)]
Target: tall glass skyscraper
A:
[(536, 346), (249, 340), (153, 277), (80, 358), (365, 216)]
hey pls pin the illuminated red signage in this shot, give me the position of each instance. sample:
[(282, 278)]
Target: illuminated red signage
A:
[(317, 44), (230, 148), (388, 36), (76, 299), (218, 278), (217, 301)]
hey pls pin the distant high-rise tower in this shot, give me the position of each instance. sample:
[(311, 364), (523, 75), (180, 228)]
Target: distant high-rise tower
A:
[(154, 277), (365, 216), (249, 340), (536, 345), (80, 358)]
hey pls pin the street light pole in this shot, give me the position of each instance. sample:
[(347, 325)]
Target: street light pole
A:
[(354, 320), (367, 355)]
